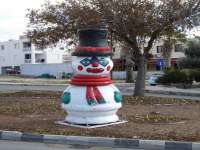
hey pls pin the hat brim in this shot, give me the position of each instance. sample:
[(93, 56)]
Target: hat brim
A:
[(92, 51)]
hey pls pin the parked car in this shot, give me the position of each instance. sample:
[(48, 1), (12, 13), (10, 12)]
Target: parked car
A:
[(12, 71), (153, 78)]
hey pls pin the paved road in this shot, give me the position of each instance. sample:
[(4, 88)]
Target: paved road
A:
[(124, 89), (10, 145), (8, 88)]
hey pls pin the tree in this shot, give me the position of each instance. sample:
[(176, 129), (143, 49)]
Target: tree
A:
[(192, 60), (129, 63), (135, 22), (129, 69), (168, 43), (167, 50)]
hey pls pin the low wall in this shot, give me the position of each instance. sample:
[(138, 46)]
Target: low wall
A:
[(39, 69), (121, 75), (57, 69)]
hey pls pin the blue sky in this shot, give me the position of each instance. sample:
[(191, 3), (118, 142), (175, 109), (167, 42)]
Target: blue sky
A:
[(12, 17)]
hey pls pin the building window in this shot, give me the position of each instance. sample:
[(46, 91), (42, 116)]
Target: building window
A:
[(2, 47), (114, 49), (159, 49), (42, 60), (27, 56), (26, 45), (179, 48)]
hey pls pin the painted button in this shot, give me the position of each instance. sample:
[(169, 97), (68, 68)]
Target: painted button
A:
[(117, 97), (66, 98)]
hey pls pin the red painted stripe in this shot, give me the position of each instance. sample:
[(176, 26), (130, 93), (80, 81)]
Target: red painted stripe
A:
[(94, 49), (91, 83), (89, 93), (97, 94), (90, 80), (90, 76)]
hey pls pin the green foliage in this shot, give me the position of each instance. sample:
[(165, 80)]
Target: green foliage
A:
[(195, 75), (193, 50), (192, 53), (66, 75), (175, 76), (190, 63), (46, 75)]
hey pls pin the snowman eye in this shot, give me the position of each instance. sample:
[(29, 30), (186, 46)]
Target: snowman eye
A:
[(85, 62), (104, 62)]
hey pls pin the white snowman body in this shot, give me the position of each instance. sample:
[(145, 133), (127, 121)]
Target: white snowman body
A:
[(91, 101)]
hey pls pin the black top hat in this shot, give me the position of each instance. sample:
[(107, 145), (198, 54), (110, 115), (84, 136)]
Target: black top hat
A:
[(92, 42)]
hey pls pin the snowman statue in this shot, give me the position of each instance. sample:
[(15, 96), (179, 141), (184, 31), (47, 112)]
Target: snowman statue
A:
[(91, 98)]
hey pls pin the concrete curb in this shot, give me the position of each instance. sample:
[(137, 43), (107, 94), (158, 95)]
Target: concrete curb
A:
[(99, 141)]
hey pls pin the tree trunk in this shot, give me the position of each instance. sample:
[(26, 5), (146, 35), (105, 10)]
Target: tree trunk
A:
[(129, 74), (111, 74), (140, 80), (129, 70), (167, 62)]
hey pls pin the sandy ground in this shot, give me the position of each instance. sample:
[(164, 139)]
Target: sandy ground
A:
[(148, 117)]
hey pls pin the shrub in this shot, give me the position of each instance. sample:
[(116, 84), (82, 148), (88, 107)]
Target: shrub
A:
[(195, 75), (46, 75), (66, 75), (192, 54), (175, 76)]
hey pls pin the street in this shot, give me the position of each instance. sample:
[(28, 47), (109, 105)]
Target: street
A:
[(125, 90), (15, 88), (10, 145)]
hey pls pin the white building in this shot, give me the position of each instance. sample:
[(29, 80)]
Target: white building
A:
[(156, 50), (177, 53), (14, 53), (177, 49)]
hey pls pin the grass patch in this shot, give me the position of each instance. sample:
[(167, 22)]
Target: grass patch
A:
[(130, 100), (157, 117), (27, 107), (148, 117)]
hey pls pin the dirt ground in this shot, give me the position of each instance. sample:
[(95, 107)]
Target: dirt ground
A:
[(148, 117)]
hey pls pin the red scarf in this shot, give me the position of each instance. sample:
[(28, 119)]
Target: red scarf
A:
[(93, 95)]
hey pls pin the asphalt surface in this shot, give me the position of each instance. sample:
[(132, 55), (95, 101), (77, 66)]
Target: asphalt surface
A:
[(11, 145), (10, 88), (126, 90)]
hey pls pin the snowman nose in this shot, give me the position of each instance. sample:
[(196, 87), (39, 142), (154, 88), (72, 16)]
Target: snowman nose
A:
[(95, 64)]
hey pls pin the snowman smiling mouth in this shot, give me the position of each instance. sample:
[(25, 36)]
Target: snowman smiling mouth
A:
[(94, 70)]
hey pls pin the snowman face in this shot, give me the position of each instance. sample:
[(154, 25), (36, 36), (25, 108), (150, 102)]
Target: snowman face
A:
[(92, 65)]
